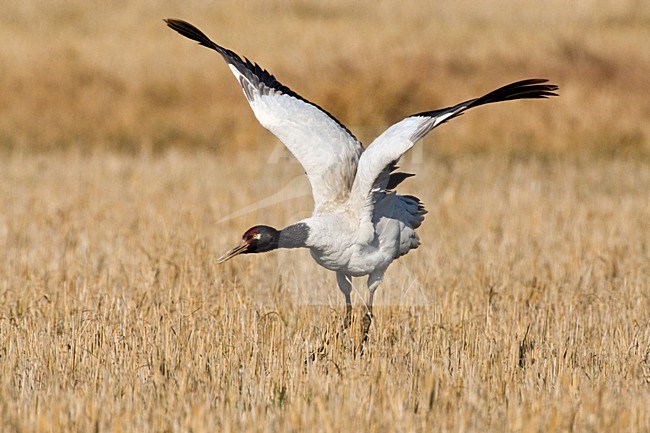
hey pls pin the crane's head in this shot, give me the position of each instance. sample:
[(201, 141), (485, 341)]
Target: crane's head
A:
[(258, 239)]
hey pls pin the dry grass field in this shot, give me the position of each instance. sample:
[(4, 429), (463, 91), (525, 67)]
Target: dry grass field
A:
[(129, 160)]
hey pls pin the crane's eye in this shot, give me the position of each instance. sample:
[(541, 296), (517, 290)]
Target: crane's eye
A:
[(257, 236)]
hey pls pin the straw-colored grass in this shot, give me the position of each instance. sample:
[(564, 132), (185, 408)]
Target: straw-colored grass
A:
[(525, 309), (130, 160)]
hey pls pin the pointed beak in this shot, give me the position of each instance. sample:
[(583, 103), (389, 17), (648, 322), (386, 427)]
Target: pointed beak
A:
[(233, 252)]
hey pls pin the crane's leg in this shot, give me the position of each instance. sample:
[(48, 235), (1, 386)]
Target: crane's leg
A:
[(345, 285), (373, 282)]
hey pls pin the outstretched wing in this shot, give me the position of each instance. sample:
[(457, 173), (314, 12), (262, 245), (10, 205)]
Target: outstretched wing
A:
[(326, 149), (383, 153)]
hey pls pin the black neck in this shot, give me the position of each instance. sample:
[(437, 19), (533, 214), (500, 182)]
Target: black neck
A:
[(294, 236)]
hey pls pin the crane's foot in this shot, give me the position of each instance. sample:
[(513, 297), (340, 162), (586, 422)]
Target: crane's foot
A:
[(367, 321), (347, 321), (316, 354)]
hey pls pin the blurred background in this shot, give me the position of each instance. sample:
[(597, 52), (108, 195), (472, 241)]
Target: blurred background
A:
[(105, 75)]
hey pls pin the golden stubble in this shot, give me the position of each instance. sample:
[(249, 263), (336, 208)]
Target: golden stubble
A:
[(525, 308)]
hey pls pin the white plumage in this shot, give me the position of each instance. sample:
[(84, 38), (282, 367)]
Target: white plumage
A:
[(359, 224)]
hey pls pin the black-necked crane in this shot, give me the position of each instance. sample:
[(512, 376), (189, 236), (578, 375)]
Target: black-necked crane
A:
[(359, 225)]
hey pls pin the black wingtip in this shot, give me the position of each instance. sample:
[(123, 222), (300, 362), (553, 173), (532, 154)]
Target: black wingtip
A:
[(189, 31), (533, 88)]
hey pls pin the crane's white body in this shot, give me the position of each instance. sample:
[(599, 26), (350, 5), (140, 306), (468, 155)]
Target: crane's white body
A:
[(358, 247)]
